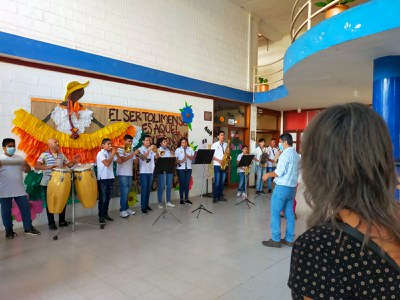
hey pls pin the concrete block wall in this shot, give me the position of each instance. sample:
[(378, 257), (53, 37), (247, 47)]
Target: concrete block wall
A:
[(18, 84), (206, 39)]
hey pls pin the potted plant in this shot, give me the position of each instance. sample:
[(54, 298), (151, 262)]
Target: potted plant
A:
[(263, 87), (334, 10)]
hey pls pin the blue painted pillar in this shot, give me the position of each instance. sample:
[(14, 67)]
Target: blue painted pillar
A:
[(386, 99)]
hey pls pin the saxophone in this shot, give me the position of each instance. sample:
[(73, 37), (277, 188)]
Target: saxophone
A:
[(226, 159)]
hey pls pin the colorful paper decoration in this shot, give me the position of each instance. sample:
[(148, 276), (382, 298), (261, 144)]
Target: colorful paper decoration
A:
[(187, 115)]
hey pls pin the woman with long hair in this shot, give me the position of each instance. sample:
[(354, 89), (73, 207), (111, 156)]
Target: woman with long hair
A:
[(184, 155), (352, 247)]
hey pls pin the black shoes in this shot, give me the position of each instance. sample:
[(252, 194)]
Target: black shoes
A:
[(63, 223), (108, 218), (271, 243), (188, 202), (149, 208), (269, 191), (52, 226), (215, 200), (10, 234), (223, 199), (289, 244), (32, 231), (182, 202), (144, 211), (102, 221)]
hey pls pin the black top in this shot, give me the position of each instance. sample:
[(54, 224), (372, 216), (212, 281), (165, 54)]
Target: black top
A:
[(327, 265)]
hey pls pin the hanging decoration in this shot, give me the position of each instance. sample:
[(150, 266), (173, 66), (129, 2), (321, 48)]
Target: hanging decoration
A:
[(187, 115)]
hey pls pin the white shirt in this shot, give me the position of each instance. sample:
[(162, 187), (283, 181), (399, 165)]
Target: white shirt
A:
[(125, 168), (146, 167), (180, 154), (272, 152), (219, 151), (104, 172), (259, 152), (11, 179), (241, 169)]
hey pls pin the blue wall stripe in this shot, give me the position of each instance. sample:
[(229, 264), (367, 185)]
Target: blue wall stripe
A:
[(29, 49), (271, 95)]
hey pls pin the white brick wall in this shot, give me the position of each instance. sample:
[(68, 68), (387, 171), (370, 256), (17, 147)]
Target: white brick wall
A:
[(18, 84), (204, 39)]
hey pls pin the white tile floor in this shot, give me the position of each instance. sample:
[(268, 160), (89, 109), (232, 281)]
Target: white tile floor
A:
[(217, 256)]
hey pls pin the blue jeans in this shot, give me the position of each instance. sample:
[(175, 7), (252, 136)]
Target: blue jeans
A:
[(219, 181), (24, 208), (242, 185), (161, 186), (282, 199), (105, 188), (124, 188), (184, 180), (260, 172), (146, 180), (270, 169)]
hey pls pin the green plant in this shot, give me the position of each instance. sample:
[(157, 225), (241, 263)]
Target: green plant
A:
[(324, 3), (262, 80)]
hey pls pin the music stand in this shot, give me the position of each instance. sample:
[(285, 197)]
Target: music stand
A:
[(165, 165), (245, 161), (204, 157), (73, 223)]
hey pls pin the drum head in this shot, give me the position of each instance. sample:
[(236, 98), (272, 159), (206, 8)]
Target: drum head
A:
[(61, 170), (83, 168)]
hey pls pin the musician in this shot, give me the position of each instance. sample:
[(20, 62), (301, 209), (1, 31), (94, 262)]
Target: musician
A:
[(261, 165), (147, 154), (47, 161), (12, 187), (164, 151), (241, 171), (105, 177), (272, 152), (125, 174), (184, 154), (219, 175)]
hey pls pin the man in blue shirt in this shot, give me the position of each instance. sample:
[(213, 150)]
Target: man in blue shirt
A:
[(286, 174)]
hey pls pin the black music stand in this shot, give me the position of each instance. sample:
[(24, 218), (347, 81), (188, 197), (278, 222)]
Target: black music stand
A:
[(204, 157), (246, 161), (165, 165)]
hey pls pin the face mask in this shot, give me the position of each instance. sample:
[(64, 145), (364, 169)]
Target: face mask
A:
[(280, 147), (10, 150)]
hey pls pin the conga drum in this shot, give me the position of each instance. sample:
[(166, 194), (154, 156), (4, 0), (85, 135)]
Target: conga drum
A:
[(58, 190), (86, 185)]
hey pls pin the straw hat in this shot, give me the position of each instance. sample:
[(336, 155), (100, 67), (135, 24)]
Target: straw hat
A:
[(74, 86)]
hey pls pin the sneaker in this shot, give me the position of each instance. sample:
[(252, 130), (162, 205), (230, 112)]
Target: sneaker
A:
[(149, 208), (263, 193), (188, 202), (52, 226), (182, 202), (215, 200), (130, 212), (285, 242), (10, 234), (123, 214), (271, 243), (257, 192), (169, 204), (63, 223), (160, 206), (238, 194), (269, 191), (108, 218), (32, 231), (102, 221), (244, 195), (223, 199), (144, 211)]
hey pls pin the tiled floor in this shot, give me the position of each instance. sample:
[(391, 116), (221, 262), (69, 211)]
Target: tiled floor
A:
[(217, 256)]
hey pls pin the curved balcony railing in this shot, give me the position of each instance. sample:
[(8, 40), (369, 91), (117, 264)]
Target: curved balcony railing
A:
[(309, 12), (273, 72)]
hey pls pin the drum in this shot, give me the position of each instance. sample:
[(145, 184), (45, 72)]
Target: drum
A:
[(58, 190), (85, 183)]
